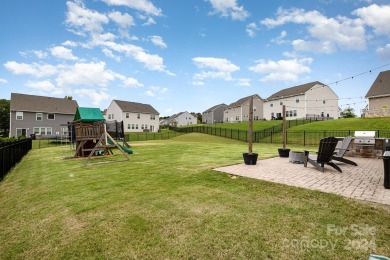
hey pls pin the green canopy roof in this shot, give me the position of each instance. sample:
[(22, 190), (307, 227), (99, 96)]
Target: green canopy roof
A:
[(88, 115)]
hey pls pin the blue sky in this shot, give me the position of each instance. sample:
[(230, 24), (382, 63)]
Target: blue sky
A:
[(190, 55)]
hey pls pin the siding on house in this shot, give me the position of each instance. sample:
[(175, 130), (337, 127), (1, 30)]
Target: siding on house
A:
[(313, 99), (214, 114), (40, 115), (379, 93), (136, 117), (239, 111), (181, 119)]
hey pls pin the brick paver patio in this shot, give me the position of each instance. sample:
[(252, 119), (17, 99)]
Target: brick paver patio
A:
[(363, 182)]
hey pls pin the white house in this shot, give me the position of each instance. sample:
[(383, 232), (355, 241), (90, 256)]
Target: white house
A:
[(379, 96), (239, 111), (181, 119), (313, 100), (136, 117), (214, 114)]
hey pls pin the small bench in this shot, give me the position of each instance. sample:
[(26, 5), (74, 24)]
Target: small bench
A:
[(296, 157)]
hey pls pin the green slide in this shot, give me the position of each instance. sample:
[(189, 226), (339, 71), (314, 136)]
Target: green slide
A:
[(121, 146)]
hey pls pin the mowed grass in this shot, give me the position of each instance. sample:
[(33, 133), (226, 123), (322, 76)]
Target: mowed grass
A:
[(257, 125), (347, 124), (167, 203)]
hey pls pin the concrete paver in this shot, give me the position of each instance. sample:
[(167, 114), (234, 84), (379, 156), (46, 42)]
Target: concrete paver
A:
[(363, 182)]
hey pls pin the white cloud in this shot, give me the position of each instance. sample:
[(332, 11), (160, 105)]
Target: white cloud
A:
[(34, 69), (151, 61), (229, 8), (40, 54), (327, 34), (158, 41), (132, 82), (85, 74), (149, 21), (44, 87), (140, 5), (280, 39), (282, 70), (84, 20), (198, 83), (244, 82), (153, 91), (62, 53), (3, 81), (70, 43), (216, 68), (111, 55), (94, 96), (123, 20), (251, 29), (378, 17), (384, 52)]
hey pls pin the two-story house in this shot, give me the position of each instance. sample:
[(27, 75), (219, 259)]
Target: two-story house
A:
[(181, 119), (43, 116), (312, 100), (136, 117), (214, 114), (239, 111), (379, 96)]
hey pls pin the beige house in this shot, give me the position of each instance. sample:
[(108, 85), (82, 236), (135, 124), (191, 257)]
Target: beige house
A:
[(379, 96), (180, 119), (311, 100), (136, 117), (239, 110)]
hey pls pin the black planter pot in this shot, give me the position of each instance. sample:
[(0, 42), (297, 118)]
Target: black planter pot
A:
[(283, 152), (250, 159)]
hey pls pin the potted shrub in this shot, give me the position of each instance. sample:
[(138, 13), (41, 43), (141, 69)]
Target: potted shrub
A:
[(250, 158), (284, 152)]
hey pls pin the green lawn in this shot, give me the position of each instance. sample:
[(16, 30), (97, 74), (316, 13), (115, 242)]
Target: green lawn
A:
[(347, 124), (257, 125), (167, 203)]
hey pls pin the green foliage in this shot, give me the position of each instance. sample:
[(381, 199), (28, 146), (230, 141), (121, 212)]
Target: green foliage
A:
[(11, 139), (4, 117), (348, 112)]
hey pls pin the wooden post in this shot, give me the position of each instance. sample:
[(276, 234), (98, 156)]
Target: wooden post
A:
[(250, 124), (284, 126)]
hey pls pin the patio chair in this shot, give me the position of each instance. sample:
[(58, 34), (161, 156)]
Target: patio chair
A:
[(324, 155), (339, 152)]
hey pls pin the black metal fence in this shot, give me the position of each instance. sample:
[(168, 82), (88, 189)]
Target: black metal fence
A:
[(274, 134), (141, 136), (11, 153)]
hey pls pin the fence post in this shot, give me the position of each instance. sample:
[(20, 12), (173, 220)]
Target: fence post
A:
[(304, 138)]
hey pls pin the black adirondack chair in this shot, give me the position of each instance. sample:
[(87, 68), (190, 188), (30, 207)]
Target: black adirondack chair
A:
[(339, 152), (324, 155)]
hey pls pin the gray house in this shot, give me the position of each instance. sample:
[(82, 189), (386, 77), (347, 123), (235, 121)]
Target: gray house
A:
[(379, 96), (42, 116), (239, 111), (214, 114)]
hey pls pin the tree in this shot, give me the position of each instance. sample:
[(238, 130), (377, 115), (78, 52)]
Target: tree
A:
[(349, 112), (68, 97), (4, 117)]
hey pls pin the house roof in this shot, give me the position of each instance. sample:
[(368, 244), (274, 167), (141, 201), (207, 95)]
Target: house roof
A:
[(294, 91), (31, 103), (214, 107), (242, 101), (88, 114), (134, 107), (381, 85)]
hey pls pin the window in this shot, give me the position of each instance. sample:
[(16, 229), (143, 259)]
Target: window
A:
[(142, 126), (146, 126), (132, 126), (237, 118), (323, 101), (152, 117), (256, 118), (138, 116), (38, 116), (136, 126), (127, 116), (272, 115), (43, 130), (36, 130), (19, 115), (128, 126), (65, 131), (112, 116), (50, 116), (297, 100), (109, 116), (281, 103), (295, 112), (271, 105), (48, 131), (254, 108)]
